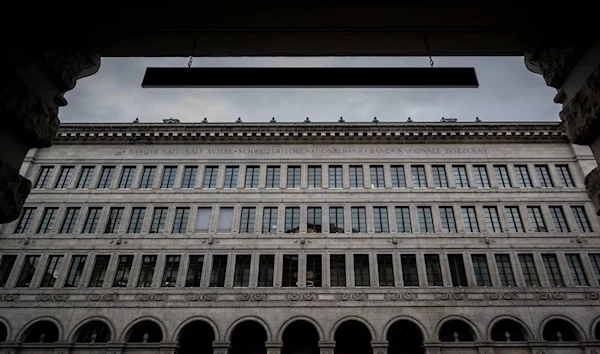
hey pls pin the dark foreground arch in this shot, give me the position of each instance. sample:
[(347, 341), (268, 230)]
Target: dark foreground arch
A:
[(300, 337), (248, 337), (404, 337), (353, 337), (196, 337)]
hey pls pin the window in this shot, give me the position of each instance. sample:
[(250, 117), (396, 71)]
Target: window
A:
[(241, 276), (439, 176), (481, 176), (137, 220), (148, 174), (336, 220), (266, 269), (77, 264), (65, 177), (385, 268), (6, 266), (273, 177), (292, 220), (337, 269), (398, 177), (403, 223), (460, 176), (522, 176), (44, 177), (123, 270), (356, 177), (594, 258), (359, 219), (335, 177), (492, 220), (146, 271), (314, 177), (418, 176), (169, 279), (106, 177), (29, 266), (470, 219), (434, 270), (190, 174), (577, 273), (536, 219), (290, 271), (114, 220), (203, 219), (425, 219), (168, 178), (528, 269), (543, 175), (69, 221), (581, 220), (269, 224), (48, 219), (127, 177), (180, 223), (481, 269), (447, 216), (194, 274), (210, 176), (457, 270), (252, 176), (24, 224), (247, 220), (225, 220), (52, 270), (85, 178), (552, 270), (294, 176), (314, 220), (513, 216), (380, 219), (502, 176), (218, 271), (231, 176), (505, 271), (99, 271), (91, 221), (159, 218), (558, 219), (314, 271), (410, 276), (362, 276), (377, 177), (564, 176)]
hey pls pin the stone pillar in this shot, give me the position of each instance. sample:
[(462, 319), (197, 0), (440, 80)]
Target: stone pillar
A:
[(62, 347), (379, 347), (274, 347), (168, 347), (432, 347), (326, 346), (221, 347), (9, 347)]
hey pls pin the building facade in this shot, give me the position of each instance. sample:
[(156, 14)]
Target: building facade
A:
[(304, 238)]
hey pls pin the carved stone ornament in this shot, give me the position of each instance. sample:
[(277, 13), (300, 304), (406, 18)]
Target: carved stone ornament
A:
[(103, 297), (351, 297), (301, 297), (450, 296), (51, 297), (500, 296), (202, 297), (581, 114), (9, 297), (550, 296), (592, 295), (151, 297), (400, 296)]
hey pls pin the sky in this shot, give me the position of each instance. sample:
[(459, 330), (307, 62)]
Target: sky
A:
[(507, 92)]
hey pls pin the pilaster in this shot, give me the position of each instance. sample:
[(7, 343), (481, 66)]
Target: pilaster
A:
[(221, 347), (274, 347), (379, 347), (326, 346)]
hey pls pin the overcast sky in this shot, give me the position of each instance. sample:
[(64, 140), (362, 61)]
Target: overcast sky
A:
[(507, 92)]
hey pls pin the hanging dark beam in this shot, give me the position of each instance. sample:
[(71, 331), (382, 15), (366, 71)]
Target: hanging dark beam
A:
[(249, 77)]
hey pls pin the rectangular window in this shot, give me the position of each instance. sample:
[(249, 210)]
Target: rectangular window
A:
[(180, 223), (380, 219), (481, 269), (543, 175), (564, 176), (292, 220), (410, 276), (359, 219), (403, 223), (247, 220), (529, 271), (501, 172), (439, 176), (273, 177), (481, 176), (398, 177), (225, 220), (77, 264), (314, 220), (536, 219), (337, 269), (377, 177), (106, 177), (114, 220), (44, 177), (190, 174), (252, 176), (91, 221), (148, 175), (203, 219), (99, 271), (314, 271), (314, 177), (48, 218), (558, 219), (357, 179), (418, 176), (29, 266), (86, 176), (470, 219), (52, 270), (218, 271), (492, 219), (241, 276), (269, 224), (289, 276), (460, 176), (194, 274), (6, 266), (68, 225), (336, 220), (266, 270), (127, 177), (335, 177), (505, 271), (385, 268), (513, 216), (457, 270), (137, 220), (146, 271), (362, 277), (169, 279), (581, 220), (594, 259), (210, 176), (522, 175), (168, 178), (123, 270), (24, 224), (434, 270), (231, 176), (159, 219), (552, 270), (294, 175), (425, 219), (448, 221), (577, 272), (65, 177)]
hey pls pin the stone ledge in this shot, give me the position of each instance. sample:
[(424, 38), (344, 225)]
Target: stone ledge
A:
[(592, 184), (14, 189)]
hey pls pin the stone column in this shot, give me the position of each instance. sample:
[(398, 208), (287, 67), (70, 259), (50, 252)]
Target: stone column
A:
[(221, 347), (326, 346), (274, 347), (432, 347), (168, 347), (379, 347)]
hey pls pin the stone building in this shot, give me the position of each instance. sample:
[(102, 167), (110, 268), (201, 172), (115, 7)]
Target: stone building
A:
[(304, 238)]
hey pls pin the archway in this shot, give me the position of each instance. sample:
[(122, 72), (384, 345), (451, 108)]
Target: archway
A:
[(196, 337), (597, 331), (3, 332), (507, 330), (456, 331), (353, 337), (41, 332), (404, 337), (93, 332), (559, 330), (300, 337), (145, 332), (248, 337)]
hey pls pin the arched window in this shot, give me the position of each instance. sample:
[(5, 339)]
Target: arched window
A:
[(507, 330), (248, 337), (456, 331), (41, 332), (93, 332), (3, 332), (300, 337), (558, 330), (404, 337), (353, 337), (196, 337), (145, 332)]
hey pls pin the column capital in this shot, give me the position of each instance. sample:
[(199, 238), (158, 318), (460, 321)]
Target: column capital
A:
[(274, 344), (326, 344), (221, 344)]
